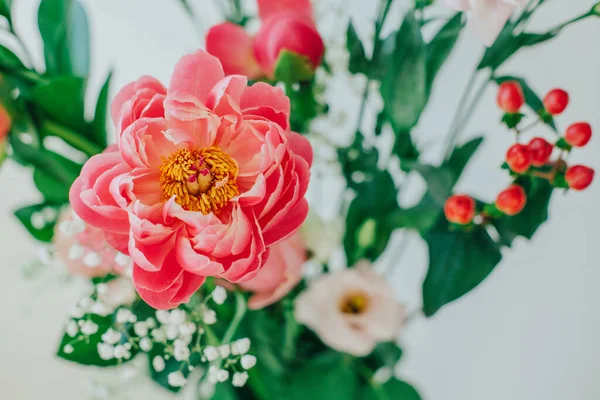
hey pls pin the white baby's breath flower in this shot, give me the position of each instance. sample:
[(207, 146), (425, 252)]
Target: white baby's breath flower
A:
[(240, 347), (159, 335), (211, 353), (92, 260), (49, 214), (66, 228), (77, 312), (86, 303), (172, 332), (72, 329), (176, 379), (209, 317), (158, 363), (37, 220), (177, 317), (121, 352), (68, 349), (187, 329), (181, 351), (162, 316), (76, 252), (89, 328), (106, 351), (222, 375), (224, 350), (111, 336), (140, 329), (219, 295), (150, 323), (122, 260), (101, 309), (239, 379), (124, 315), (213, 371), (45, 255), (102, 288), (146, 344), (248, 361)]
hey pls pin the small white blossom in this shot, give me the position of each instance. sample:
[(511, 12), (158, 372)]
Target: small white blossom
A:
[(176, 379), (106, 351), (181, 353), (122, 260), (76, 252), (224, 350), (219, 295), (49, 214), (100, 309), (150, 323), (222, 375), (89, 328), (213, 371), (68, 349), (111, 336), (66, 228), (72, 329), (127, 346), (248, 361), (146, 344), (86, 303), (177, 317), (211, 353), (37, 220), (239, 379), (44, 255), (78, 225), (102, 288), (77, 312), (121, 352), (124, 315), (172, 332), (241, 346), (158, 363), (92, 260), (158, 335), (162, 316), (187, 329), (209, 317), (140, 329)]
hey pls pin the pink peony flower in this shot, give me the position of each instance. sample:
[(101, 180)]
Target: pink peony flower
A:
[(486, 17), (84, 250), (281, 273), (351, 310), (286, 25), (203, 190)]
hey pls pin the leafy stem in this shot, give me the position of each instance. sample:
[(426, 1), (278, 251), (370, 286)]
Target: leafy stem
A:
[(71, 137)]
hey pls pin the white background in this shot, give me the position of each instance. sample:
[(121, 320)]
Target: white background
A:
[(529, 332)]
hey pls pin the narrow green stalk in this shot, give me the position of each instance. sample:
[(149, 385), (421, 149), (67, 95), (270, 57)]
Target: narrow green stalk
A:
[(290, 332), (240, 312), (71, 137), (463, 102)]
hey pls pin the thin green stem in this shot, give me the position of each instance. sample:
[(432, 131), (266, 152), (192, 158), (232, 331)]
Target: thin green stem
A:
[(71, 137), (290, 332), (240, 312), (463, 101)]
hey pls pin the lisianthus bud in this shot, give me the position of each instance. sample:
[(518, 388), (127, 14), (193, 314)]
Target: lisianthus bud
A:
[(460, 209), (512, 200)]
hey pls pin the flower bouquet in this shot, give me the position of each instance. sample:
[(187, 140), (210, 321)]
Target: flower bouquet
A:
[(206, 264)]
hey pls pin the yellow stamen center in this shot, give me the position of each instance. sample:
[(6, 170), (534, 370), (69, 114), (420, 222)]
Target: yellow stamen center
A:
[(202, 180), (355, 303)]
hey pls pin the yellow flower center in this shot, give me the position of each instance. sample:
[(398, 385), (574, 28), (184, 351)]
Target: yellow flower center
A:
[(202, 180), (355, 303)]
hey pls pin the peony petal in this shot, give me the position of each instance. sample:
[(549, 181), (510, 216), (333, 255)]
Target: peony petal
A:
[(128, 91), (262, 95), (193, 262), (233, 47), (273, 8), (225, 97), (302, 147), (196, 74)]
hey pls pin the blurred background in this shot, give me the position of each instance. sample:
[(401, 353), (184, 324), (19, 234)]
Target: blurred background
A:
[(529, 332)]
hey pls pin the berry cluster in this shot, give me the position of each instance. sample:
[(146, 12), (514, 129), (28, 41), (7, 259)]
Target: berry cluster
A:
[(531, 159)]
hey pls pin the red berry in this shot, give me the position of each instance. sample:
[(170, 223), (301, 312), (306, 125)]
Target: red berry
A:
[(579, 177), (460, 209), (556, 101), (512, 200), (579, 134), (518, 158), (540, 151), (510, 97)]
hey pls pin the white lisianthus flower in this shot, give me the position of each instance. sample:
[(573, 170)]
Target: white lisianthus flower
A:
[(322, 237)]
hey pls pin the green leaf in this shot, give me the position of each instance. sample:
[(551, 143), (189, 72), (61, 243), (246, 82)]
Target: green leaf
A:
[(404, 86), (63, 99), (367, 228), (64, 29), (5, 7), (101, 115), (393, 389), (385, 355), (440, 181), (305, 106), (42, 233), (358, 62), (55, 182), (441, 46), (421, 217), (508, 44), (292, 68), (326, 377), (458, 262), (224, 391), (9, 60), (461, 156), (357, 158), (531, 98), (526, 223)]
